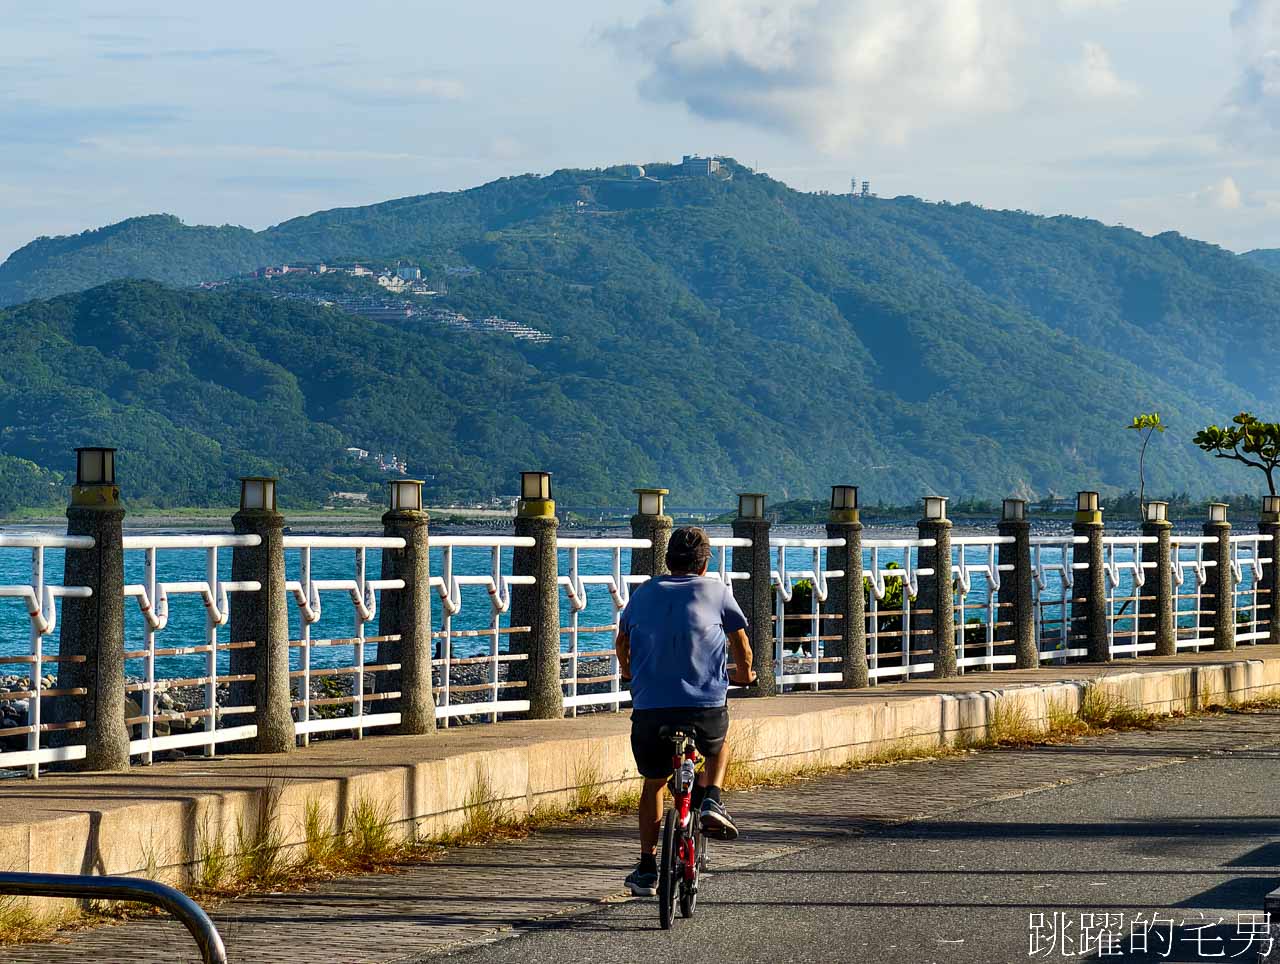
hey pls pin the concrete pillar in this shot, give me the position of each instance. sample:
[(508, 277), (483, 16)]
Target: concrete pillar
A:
[(1160, 611), (844, 595), (1269, 525), (937, 593), (755, 595), (407, 612), (1221, 584), (538, 606), (93, 628), (1017, 605), (263, 618), (1089, 617), (651, 523)]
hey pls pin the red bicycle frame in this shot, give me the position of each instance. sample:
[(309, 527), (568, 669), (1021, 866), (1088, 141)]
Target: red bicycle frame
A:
[(683, 800)]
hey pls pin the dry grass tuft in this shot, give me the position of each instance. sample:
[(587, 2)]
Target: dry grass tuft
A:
[(18, 925), (1103, 710), (370, 842), (1010, 724), (1064, 722)]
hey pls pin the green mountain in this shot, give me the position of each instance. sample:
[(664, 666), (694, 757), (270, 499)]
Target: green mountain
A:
[(708, 334), (1268, 258)]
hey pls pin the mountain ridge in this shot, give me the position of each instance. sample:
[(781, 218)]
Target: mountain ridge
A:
[(707, 335)]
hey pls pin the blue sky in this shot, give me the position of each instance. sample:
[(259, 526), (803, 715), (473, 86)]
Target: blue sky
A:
[(1159, 114)]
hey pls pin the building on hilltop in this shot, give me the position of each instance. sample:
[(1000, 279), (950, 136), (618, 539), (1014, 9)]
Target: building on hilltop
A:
[(407, 272), (695, 166)]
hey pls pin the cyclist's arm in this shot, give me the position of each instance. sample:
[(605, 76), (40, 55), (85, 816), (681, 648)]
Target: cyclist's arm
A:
[(622, 646), (740, 650)]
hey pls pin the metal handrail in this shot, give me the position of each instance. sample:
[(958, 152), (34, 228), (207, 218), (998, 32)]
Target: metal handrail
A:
[(135, 889)]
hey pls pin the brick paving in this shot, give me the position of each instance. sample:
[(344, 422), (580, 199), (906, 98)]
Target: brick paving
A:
[(480, 894)]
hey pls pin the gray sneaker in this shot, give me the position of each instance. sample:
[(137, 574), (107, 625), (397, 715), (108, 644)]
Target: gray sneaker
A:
[(642, 883), (716, 822)]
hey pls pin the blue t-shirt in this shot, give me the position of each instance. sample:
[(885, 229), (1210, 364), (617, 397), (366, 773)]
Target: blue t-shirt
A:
[(678, 627)]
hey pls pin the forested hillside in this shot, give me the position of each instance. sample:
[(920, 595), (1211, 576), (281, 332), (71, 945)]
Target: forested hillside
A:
[(1265, 257), (707, 335)]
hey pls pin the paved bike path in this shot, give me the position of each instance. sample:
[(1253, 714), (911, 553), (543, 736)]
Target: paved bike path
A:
[(1171, 864), (484, 894)]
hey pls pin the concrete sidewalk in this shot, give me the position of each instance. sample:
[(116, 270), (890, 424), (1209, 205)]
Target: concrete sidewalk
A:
[(154, 818)]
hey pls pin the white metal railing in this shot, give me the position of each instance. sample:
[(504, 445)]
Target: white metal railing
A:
[(1053, 568), (1126, 575), (350, 709), (981, 578), (885, 575), (1190, 573), (809, 646), (154, 597), (41, 602), (618, 585), (1247, 566), (449, 587)]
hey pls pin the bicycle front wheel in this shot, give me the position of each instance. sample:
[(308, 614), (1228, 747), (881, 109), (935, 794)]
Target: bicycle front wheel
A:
[(669, 870)]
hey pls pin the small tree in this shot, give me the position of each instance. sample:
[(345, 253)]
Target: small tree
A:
[(1146, 425), (1246, 440)]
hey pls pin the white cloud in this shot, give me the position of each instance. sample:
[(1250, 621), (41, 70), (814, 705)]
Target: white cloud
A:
[(1093, 77), (830, 70), (1252, 112), (1225, 195)]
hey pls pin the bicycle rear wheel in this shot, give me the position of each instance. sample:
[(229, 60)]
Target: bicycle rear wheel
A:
[(668, 870)]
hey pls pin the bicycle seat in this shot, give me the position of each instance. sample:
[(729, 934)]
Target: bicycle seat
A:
[(672, 731)]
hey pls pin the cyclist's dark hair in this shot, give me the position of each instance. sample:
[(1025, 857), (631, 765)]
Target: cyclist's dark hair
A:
[(689, 550)]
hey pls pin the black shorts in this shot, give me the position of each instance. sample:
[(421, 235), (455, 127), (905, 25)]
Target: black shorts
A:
[(653, 753)]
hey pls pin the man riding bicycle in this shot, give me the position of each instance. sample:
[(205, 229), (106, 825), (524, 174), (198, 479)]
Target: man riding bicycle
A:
[(673, 641)]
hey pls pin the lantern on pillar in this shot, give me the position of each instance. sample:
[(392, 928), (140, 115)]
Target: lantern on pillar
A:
[(406, 495), (95, 466), (1217, 512), (1156, 512), (751, 505), (1271, 508), (258, 493), (1013, 510), (535, 494), (935, 508), (650, 501), (95, 477)]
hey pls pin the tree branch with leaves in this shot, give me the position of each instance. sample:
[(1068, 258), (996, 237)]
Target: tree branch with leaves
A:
[(1247, 440), (1146, 425)]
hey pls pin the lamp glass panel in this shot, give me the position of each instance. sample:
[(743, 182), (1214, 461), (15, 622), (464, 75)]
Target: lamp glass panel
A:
[(90, 466), (1217, 512), (406, 495), (1087, 502), (254, 494), (108, 466), (935, 507), (1157, 511), (1271, 504), (651, 503), (535, 485), (1015, 510), (844, 497)]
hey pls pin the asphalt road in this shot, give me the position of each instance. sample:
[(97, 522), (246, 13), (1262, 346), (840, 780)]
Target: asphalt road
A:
[(1175, 854)]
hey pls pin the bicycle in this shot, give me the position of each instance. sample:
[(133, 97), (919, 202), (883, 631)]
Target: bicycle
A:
[(684, 845)]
